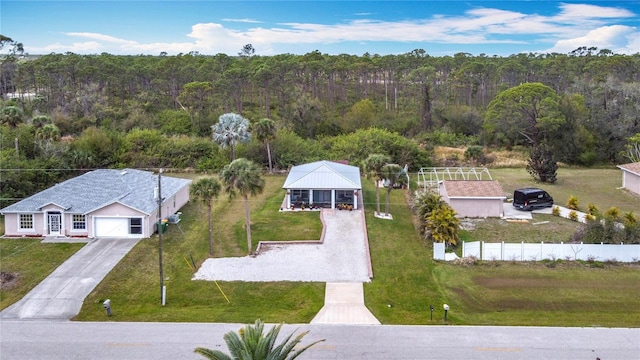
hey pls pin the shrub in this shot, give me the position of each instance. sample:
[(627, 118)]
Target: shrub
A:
[(572, 203), (590, 217), (630, 219), (573, 215), (613, 213), (593, 210), (473, 152), (542, 165), (555, 211), (443, 225)]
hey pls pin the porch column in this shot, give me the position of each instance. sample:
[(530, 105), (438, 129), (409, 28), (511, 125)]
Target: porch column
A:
[(355, 199), (333, 198), (288, 199), (310, 197)]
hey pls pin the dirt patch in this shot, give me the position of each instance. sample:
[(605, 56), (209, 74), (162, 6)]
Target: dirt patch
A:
[(8, 280)]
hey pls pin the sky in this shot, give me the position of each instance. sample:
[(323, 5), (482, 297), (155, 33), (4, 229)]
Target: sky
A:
[(210, 27)]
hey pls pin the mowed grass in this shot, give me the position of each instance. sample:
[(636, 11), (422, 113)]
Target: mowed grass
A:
[(541, 294), (591, 186), (31, 261), (542, 228)]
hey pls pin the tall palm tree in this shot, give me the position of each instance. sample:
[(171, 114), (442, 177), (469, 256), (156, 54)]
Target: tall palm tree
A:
[(265, 131), (373, 165), (243, 176), (250, 343), (205, 190), (395, 175), (231, 129)]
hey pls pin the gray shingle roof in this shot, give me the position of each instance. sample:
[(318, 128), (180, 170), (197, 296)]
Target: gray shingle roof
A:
[(323, 175), (99, 188), (474, 189)]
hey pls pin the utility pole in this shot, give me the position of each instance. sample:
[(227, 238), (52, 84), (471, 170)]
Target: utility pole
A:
[(159, 227)]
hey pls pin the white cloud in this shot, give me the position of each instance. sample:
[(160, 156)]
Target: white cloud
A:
[(617, 38), (250, 21), (100, 37), (584, 11)]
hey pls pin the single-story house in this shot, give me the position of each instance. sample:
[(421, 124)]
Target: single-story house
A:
[(100, 203), (323, 184), (631, 177), (474, 198)]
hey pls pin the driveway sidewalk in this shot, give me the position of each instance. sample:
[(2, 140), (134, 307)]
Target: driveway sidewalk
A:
[(341, 256), (61, 294)]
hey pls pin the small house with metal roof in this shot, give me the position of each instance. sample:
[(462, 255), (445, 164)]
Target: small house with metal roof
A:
[(100, 203), (322, 184)]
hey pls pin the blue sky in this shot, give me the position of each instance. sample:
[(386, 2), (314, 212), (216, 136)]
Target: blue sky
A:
[(334, 27)]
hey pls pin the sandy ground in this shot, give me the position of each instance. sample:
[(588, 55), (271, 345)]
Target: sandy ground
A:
[(342, 257)]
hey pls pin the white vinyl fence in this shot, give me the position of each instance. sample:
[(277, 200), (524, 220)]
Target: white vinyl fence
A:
[(536, 252)]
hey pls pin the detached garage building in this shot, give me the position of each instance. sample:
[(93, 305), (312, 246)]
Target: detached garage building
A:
[(474, 198), (631, 177), (100, 203)]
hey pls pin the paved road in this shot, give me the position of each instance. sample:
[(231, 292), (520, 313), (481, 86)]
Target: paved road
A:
[(108, 340), (60, 295)]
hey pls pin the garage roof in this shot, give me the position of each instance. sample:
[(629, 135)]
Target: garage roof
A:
[(100, 188), (632, 168), (323, 175), (474, 189)]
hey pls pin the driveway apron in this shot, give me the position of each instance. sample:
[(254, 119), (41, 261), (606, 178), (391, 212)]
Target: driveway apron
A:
[(61, 294)]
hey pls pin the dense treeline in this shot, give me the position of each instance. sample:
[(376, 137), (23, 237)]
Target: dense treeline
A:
[(70, 111)]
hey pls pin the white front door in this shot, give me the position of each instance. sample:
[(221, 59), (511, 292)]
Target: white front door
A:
[(55, 223)]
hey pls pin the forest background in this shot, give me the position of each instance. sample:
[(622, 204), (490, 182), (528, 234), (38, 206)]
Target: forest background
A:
[(64, 114)]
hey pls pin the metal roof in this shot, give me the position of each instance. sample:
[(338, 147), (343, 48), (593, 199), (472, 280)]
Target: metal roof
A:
[(323, 175), (99, 188)]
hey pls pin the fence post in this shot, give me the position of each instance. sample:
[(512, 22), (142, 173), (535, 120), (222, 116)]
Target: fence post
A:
[(502, 252)]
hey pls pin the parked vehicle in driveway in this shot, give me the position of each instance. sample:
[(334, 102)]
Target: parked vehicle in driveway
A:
[(528, 199)]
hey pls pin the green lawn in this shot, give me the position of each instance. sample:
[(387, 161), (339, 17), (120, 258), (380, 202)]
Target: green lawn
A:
[(31, 261), (590, 186), (406, 279)]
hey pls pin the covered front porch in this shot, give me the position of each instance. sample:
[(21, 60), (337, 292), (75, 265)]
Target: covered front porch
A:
[(320, 198)]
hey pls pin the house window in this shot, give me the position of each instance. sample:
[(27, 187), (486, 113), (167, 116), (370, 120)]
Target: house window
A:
[(26, 222), (135, 226), (299, 196), (344, 196), (79, 222)]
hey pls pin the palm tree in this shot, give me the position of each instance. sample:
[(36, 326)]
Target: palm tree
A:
[(394, 174), (48, 133), (11, 115), (231, 129), (251, 344), (243, 176), (265, 131), (205, 190), (373, 165)]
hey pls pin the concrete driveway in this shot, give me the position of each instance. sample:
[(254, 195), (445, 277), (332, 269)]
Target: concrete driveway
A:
[(61, 294)]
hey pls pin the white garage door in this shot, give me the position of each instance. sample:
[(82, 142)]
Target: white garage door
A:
[(112, 227)]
